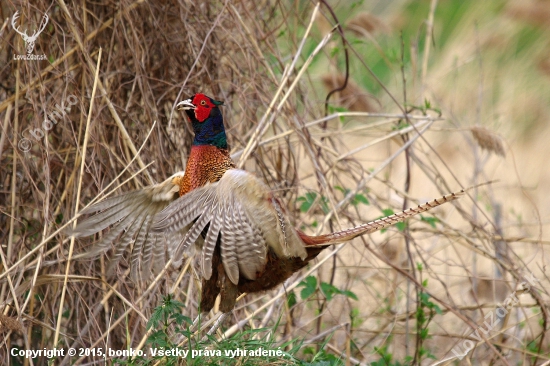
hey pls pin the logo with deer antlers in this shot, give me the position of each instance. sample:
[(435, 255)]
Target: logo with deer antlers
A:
[(29, 40)]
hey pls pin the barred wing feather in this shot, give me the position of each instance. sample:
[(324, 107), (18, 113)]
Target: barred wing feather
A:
[(225, 210), (237, 212), (132, 216)]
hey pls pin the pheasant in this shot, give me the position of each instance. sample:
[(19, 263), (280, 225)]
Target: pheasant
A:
[(247, 241)]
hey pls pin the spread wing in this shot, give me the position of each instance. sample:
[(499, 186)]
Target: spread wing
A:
[(238, 212), (204, 209), (131, 216)]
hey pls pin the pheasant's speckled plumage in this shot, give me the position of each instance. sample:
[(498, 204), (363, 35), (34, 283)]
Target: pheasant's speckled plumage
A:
[(206, 164), (246, 239)]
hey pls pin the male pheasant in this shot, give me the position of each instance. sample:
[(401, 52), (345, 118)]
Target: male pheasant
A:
[(248, 243)]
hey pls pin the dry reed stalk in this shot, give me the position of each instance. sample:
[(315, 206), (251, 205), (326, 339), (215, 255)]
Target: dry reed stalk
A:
[(245, 54)]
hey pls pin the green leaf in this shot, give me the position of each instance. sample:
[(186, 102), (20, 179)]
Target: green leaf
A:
[(329, 290), (400, 126), (388, 212), (427, 104), (156, 317), (308, 199), (424, 333), (341, 189), (359, 198), (158, 339), (350, 294), (356, 199), (424, 298), (165, 311), (430, 220), (291, 299), (180, 319), (334, 109), (356, 321), (310, 285)]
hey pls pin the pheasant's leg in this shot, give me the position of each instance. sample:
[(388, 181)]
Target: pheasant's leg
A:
[(228, 293), (210, 287), (219, 283)]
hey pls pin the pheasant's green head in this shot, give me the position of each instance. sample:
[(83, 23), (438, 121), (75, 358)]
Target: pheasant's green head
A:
[(207, 120)]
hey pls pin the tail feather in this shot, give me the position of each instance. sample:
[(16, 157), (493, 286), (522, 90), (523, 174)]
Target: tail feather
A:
[(376, 225)]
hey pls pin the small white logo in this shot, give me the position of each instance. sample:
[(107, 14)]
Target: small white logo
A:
[(29, 40)]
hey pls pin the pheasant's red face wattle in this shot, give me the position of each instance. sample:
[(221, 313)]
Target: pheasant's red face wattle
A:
[(203, 106)]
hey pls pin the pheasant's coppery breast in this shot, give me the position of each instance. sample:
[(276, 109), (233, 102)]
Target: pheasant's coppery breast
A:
[(206, 164)]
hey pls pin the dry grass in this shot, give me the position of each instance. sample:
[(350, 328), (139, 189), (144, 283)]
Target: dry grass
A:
[(250, 55), (488, 140)]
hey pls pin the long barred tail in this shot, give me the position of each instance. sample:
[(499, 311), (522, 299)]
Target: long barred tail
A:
[(373, 226)]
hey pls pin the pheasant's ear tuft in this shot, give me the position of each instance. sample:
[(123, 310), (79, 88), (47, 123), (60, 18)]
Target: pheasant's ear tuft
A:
[(217, 102)]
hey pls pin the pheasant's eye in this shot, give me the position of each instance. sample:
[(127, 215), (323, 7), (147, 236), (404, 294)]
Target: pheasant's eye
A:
[(203, 102)]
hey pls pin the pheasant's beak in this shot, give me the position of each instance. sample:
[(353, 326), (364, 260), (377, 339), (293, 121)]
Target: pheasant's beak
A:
[(186, 105)]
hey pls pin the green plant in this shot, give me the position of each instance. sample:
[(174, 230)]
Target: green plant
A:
[(309, 285), (425, 312), (248, 347), (386, 358), (357, 198), (307, 200)]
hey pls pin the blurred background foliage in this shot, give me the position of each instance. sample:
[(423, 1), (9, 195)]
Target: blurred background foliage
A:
[(483, 66)]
